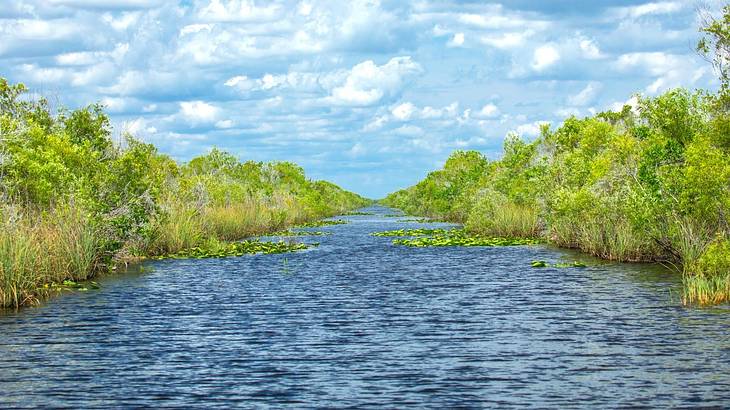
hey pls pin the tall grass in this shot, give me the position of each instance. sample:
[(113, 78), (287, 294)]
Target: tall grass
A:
[(707, 278), (41, 248), (239, 220), (614, 239), (36, 250), (702, 289), (506, 220)]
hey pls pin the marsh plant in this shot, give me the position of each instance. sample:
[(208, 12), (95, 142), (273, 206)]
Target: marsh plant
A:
[(76, 203), (650, 182)]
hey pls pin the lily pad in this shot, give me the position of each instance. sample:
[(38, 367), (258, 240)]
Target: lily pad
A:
[(317, 224), (239, 249)]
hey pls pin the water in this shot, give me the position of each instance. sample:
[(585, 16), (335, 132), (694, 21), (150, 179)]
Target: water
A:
[(358, 322)]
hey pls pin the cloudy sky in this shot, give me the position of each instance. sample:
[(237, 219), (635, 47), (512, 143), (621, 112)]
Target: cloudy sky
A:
[(368, 94)]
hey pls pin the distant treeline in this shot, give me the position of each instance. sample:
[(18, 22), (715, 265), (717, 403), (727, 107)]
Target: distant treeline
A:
[(648, 183), (74, 203)]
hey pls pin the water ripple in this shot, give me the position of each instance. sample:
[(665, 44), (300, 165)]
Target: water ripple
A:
[(358, 323)]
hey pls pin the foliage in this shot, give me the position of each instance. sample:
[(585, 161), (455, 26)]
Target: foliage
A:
[(647, 183), (84, 202)]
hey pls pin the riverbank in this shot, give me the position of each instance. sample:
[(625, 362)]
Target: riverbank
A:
[(650, 183), (75, 203)]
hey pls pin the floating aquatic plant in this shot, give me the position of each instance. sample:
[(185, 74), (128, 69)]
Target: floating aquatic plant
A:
[(458, 237), (544, 264), (318, 224), (359, 213), (239, 249), (298, 233), (423, 220), (411, 232), (71, 285)]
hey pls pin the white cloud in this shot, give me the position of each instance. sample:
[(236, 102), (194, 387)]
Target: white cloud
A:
[(586, 96), (590, 49), (357, 150), (106, 4), (408, 131), (507, 40), (138, 126), (195, 28), (531, 129), (633, 102), (489, 111), (223, 124), (544, 57), (403, 111), (664, 7), (376, 124), (304, 8), (457, 40), (667, 70), (240, 82), (237, 11), (197, 112), (367, 83), (123, 22)]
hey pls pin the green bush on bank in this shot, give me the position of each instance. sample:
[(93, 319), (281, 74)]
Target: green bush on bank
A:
[(648, 183), (74, 203)]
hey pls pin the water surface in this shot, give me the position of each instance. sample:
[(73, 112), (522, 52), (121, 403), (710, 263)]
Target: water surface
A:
[(358, 322)]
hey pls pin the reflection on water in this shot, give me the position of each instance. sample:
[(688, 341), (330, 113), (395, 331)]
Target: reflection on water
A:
[(359, 322)]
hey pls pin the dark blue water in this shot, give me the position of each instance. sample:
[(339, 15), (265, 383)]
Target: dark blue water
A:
[(358, 322)]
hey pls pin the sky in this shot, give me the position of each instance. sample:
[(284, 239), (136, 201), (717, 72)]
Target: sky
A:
[(369, 94)]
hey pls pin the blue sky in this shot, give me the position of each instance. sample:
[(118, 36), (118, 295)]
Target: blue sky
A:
[(369, 94)]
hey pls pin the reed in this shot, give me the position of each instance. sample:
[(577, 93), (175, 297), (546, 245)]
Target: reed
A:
[(706, 290), (707, 280), (507, 220), (44, 248)]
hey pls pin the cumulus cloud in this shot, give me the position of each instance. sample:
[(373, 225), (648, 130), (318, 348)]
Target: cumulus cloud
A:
[(586, 96), (662, 7), (403, 111), (457, 40), (395, 85), (237, 11), (489, 111), (507, 40), (531, 129), (544, 57), (197, 112), (368, 83)]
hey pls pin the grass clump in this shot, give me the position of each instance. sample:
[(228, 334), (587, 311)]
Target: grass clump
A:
[(707, 281)]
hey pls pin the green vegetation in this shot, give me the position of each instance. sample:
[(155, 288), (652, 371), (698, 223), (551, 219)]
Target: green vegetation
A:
[(297, 233), (411, 232), (648, 183), (458, 237), (544, 264), (224, 249), (359, 213), (319, 224), (75, 203)]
